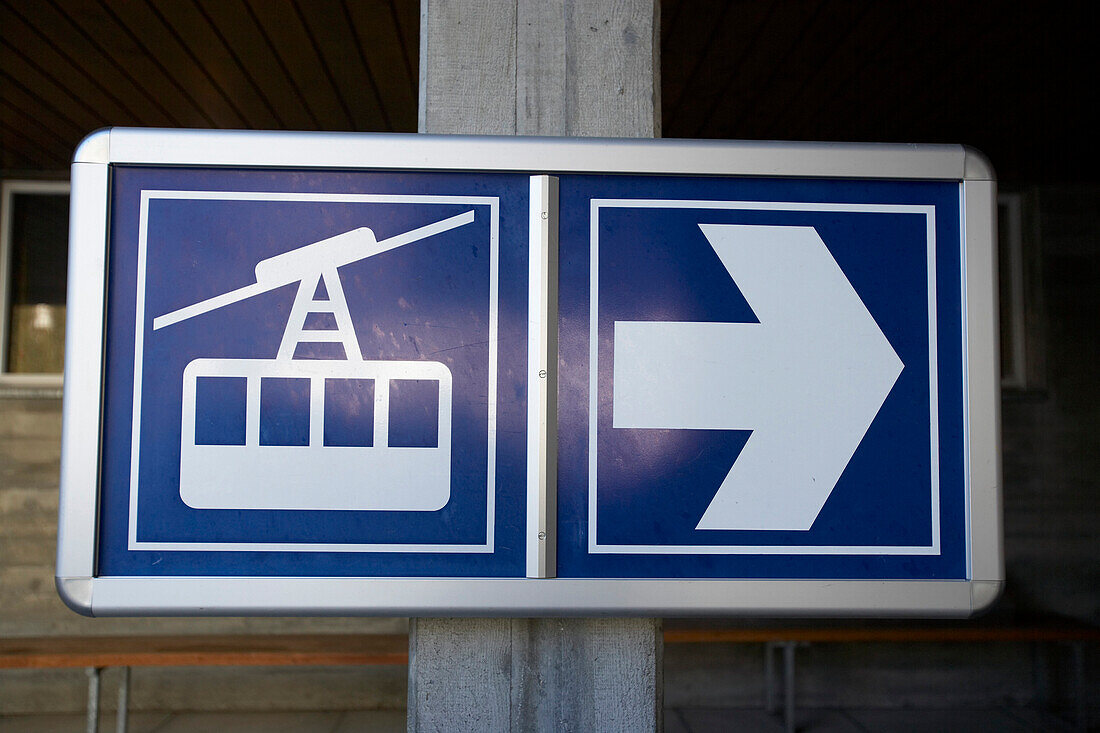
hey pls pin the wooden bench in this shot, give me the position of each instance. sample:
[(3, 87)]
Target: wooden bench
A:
[(94, 653), (786, 639), (97, 652)]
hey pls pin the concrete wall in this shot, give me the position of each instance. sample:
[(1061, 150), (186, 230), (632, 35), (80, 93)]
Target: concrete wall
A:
[(1051, 432), (1052, 511), (883, 675)]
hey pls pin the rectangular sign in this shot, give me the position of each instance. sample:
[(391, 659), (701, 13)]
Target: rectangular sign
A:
[(309, 363), (764, 360), (436, 375)]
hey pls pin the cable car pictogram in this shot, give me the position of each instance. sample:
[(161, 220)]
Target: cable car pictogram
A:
[(249, 472)]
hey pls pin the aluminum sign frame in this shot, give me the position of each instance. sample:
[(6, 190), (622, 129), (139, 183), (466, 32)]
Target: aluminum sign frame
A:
[(88, 592)]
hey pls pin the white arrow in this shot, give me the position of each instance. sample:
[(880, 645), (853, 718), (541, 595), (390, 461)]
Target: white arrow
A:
[(807, 380)]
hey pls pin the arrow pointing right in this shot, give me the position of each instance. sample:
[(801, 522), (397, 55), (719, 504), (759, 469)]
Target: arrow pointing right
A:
[(808, 380)]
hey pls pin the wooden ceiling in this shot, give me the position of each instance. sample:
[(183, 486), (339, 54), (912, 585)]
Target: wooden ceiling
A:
[(68, 67), (1012, 78), (1015, 79)]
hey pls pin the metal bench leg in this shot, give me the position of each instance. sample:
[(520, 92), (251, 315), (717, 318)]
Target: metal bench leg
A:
[(788, 684), (123, 714), (770, 705), (92, 723), (1079, 685)]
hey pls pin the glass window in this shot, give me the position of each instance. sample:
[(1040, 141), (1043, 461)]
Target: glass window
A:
[(1020, 300), (33, 263)]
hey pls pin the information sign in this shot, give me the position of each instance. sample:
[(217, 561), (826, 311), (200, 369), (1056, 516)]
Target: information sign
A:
[(400, 374)]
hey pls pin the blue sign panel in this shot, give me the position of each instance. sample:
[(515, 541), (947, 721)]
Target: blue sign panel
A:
[(761, 379), (318, 373), (314, 373)]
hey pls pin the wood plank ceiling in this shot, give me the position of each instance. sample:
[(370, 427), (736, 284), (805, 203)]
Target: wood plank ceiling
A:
[(1014, 78), (68, 67)]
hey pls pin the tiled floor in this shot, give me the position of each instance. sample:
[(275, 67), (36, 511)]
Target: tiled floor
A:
[(677, 720)]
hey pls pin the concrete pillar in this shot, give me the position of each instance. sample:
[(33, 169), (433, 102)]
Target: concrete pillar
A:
[(537, 67), (540, 67), (535, 675)]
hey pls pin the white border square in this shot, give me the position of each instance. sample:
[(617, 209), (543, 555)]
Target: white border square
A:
[(594, 547), (491, 413)]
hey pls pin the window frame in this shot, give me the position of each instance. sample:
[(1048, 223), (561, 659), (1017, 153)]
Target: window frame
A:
[(1018, 247), (1016, 377), (1011, 248), (8, 189)]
